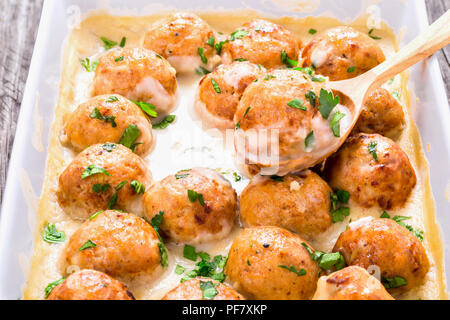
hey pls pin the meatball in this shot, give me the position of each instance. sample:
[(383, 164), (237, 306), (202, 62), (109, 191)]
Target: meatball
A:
[(382, 114), (120, 244), (279, 126), (199, 205), (90, 285), (104, 176), (138, 74), (261, 42), (351, 283), (105, 118), (342, 53), (219, 92), (192, 290), (271, 263), (184, 40), (373, 169), (300, 203), (385, 244)]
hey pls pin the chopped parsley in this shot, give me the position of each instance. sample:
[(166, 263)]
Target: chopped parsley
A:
[(96, 214), (372, 147), (112, 202), (97, 188), (393, 282), (194, 196), (351, 69), (52, 235), (96, 114), (202, 71), (300, 272), (156, 223), (209, 290), (311, 73), (297, 104), (180, 175), (372, 36), (335, 123), (179, 269), (109, 147), (237, 177), (93, 169), (123, 42), (108, 44), (238, 34), (129, 137), (276, 178), (51, 286), (88, 65), (201, 53), (309, 140), (138, 187), (312, 97), (148, 108), (119, 59), (211, 41), (399, 220), (112, 99), (339, 212), (288, 62), (165, 122), (89, 244), (215, 85), (269, 76), (385, 215), (327, 102), (207, 267), (240, 59), (326, 260), (312, 31)]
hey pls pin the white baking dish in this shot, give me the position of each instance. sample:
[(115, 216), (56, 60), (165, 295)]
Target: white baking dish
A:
[(27, 165)]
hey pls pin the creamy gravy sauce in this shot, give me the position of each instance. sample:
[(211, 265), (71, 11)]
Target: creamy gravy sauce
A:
[(176, 150)]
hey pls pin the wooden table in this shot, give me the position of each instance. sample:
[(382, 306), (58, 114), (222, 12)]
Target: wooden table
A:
[(19, 21)]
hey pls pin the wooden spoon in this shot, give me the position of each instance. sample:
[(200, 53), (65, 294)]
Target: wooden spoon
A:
[(358, 89)]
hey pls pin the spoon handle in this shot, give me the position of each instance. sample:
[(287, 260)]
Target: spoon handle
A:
[(431, 40)]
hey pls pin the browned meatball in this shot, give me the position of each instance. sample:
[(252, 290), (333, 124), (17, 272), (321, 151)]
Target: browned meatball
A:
[(271, 263), (374, 169), (300, 203), (261, 42), (351, 283), (119, 244), (138, 74), (382, 114), (216, 107), (90, 285), (385, 244), (103, 176), (199, 205), (342, 53), (178, 38), (105, 118), (192, 290), (277, 108)]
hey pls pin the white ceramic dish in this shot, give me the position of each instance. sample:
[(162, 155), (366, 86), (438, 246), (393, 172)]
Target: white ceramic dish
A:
[(27, 164)]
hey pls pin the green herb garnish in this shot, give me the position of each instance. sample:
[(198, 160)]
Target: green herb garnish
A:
[(335, 123), (215, 85), (91, 170), (165, 122), (393, 282), (300, 272), (51, 286), (297, 104), (312, 97), (309, 140), (138, 187), (288, 62), (327, 102), (148, 108), (129, 137), (52, 235), (96, 114), (209, 290), (108, 43), (88, 65), (201, 53), (89, 244), (96, 214), (372, 36), (372, 147), (194, 196), (312, 31)]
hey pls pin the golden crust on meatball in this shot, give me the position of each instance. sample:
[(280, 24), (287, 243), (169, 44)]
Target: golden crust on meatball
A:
[(350, 283), (300, 203), (387, 245), (90, 285), (381, 114), (374, 169), (262, 43), (342, 53), (138, 74), (178, 38), (217, 108), (104, 119), (101, 177), (199, 205), (259, 260), (191, 290), (119, 244)]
